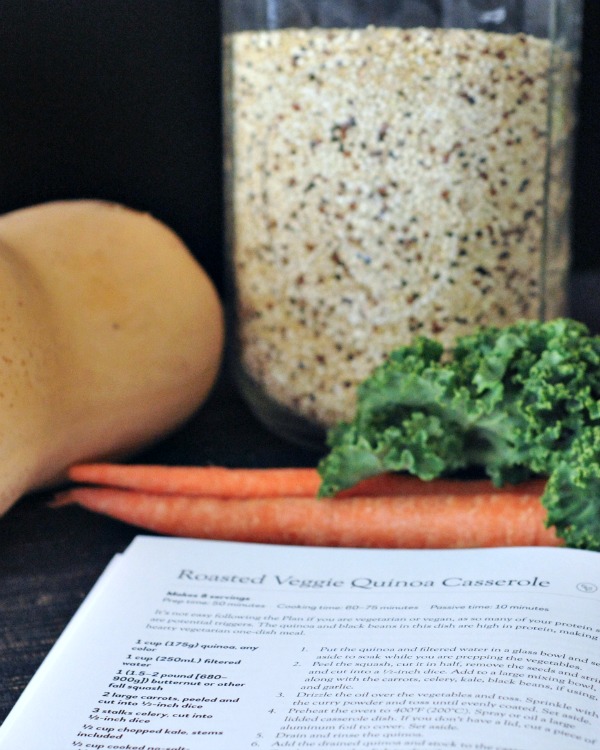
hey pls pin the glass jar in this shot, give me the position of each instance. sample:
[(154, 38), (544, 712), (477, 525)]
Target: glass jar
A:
[(393, 169)]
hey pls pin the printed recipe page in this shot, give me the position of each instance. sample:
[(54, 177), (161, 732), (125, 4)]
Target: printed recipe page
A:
[(225, 646)]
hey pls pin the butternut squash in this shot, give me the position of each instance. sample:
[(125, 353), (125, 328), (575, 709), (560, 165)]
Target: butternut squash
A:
[(111, 336)]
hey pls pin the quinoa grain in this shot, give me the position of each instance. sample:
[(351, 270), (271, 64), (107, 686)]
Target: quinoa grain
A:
[(386, 182)]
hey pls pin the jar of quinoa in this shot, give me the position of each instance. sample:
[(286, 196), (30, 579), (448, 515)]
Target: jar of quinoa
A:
[(392, 169)]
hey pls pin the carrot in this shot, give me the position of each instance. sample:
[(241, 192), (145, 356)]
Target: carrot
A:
[(214, 481), (241, 483), (438, 514)]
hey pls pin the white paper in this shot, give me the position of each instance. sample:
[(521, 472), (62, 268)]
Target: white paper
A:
[(189, 644)]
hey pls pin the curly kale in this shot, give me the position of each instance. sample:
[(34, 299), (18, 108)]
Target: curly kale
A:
[(514, 402)]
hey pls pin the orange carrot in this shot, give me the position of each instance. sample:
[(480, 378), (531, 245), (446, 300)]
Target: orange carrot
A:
[(213, 481), (241, 483), (438, 514)]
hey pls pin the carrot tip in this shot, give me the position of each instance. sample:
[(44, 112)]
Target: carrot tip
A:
[(61, 499)]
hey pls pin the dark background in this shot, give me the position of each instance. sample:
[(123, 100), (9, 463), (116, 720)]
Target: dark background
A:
[(120, 99)]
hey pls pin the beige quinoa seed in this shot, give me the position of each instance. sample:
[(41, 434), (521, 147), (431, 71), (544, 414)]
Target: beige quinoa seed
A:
[(386, 183)]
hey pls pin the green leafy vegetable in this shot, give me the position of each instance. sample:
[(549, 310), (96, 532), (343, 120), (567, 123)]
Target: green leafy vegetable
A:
[(515, 402)]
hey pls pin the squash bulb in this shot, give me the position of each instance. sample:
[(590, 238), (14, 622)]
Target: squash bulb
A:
[(111, 336)]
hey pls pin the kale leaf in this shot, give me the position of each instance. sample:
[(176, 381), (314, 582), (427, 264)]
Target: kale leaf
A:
[(513, 402)]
